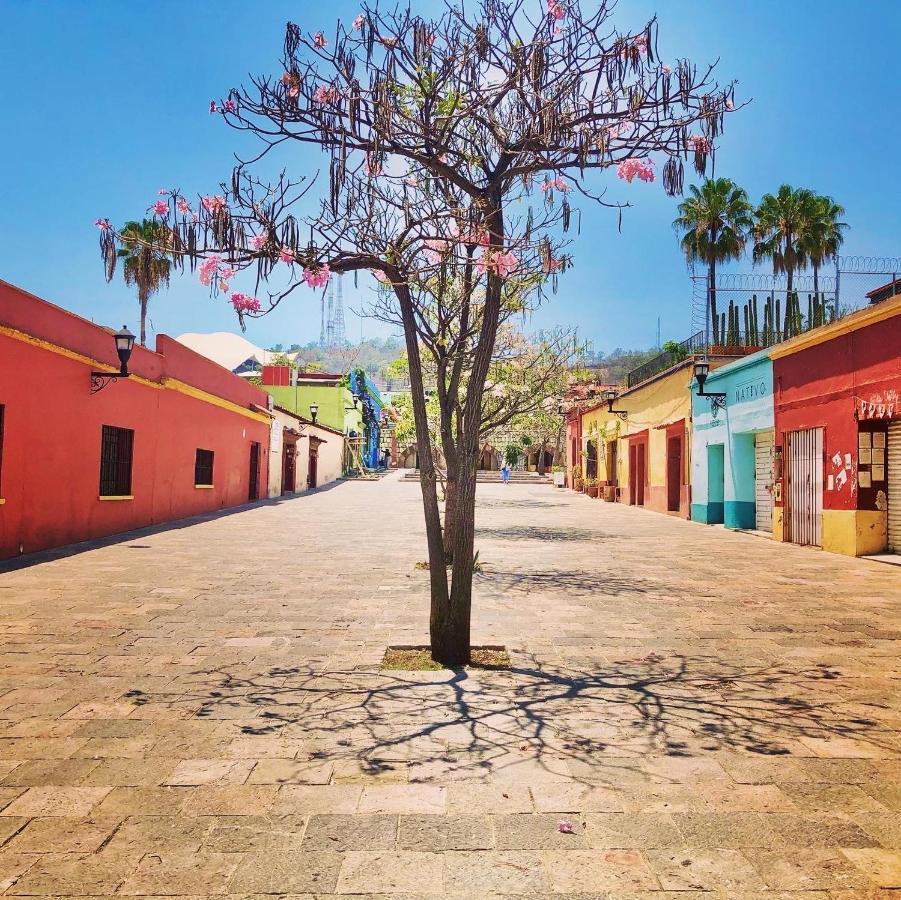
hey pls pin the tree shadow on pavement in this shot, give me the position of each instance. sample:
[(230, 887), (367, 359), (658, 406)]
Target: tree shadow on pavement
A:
[(594, 726)]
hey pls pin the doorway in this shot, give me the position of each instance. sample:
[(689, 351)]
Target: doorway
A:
[(716, 483), (673, 473), (637, 473), (313, 464), (289, 468), (805, 487), (253, 492), (763, 481)]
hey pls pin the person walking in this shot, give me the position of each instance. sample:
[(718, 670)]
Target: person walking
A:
[(505, 473)]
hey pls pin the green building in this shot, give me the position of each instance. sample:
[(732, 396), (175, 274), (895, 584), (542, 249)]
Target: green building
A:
[(333, 400)]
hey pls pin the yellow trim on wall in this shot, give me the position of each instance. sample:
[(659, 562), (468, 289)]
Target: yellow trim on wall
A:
[(116, 497), (203, 487), (879, 312), (167, 383), (2, 501)]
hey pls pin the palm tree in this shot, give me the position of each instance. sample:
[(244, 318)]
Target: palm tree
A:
[(823, 235), (779, 234), (714, 220), (146, 262)]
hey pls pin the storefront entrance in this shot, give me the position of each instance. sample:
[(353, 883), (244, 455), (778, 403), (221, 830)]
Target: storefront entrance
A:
[(894, 486), (804, 487), (763, 480)]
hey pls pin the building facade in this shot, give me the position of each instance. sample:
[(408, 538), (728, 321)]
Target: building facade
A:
[(302, 455), (180, 436), (732, 446), (838, 434)]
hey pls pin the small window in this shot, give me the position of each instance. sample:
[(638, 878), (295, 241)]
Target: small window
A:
[(203, 468), (115, 461)]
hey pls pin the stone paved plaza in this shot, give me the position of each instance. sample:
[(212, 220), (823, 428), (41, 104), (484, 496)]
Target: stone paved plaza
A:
[(199, 711)]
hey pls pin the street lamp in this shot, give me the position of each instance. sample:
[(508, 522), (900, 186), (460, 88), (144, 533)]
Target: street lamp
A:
[(125, 342), (701, 371), (610, 396), (314, 411), (356, 403)]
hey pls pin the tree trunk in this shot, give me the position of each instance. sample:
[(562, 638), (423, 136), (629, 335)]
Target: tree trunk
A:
[(816, 280), (541, 465), (789, 304), (143, 302), (711, 290)]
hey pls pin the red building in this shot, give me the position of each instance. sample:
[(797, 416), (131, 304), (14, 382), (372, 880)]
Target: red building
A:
[(838, 433), (180, 436)]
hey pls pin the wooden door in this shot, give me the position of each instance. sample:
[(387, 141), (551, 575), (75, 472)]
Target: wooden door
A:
[(254, 487), (313, 463), (763, 480), (633, 475), (289, 468), (805, 486), (673, 473), (640, 474)]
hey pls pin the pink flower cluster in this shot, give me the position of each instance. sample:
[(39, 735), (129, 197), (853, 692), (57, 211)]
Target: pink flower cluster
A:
[(555, 9), (102, 224), (555, 184), (286, 255), (319, 40), (389, 42), (258, 241), (244, 303), (292, 83), (435, 249), (229, 106), (551, 265), (700, 143), (316, 278), (380, 276), (641, 42), (636, 168), (503, 264), (213, 204), (161, 209), (209, 269), (359, 22), (326, 95), (183, 206)]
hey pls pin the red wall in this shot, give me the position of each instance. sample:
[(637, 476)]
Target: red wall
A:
[(824, 385), (52, 432)]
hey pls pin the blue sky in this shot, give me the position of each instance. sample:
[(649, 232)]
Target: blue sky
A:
[(105, 103)]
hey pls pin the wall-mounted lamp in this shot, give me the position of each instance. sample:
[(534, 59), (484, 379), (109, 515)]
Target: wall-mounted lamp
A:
[(717, 400), (610, 397), (125, 342), (356, 405), (314, 411)]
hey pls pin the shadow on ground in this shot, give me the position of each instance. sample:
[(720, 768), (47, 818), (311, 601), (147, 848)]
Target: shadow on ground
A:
[(590, 725)]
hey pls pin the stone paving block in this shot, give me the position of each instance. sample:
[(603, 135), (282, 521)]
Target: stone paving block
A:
[(616, 871), (13, 865), (160, 834), (791, 870), (708, 870), (403, 798), (574, 797), (290, 771), (480, 873), (627, 831), (182, 873), (471, 799), (56, 801), (425, 833), (210, 771), (281, 872), (63, 834), (66, 874), (153, 801), (537, 831), (230, 800), (357, 832), (732, 830), (338, 799), (11, 825), (43, 772), (816, 829), (240, 834), (881, 866)]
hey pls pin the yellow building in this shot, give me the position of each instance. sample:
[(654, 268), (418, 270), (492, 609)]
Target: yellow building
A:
[(639, 451)]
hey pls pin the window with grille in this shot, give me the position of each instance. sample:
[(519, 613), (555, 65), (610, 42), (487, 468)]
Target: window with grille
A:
[(115, 461), (203, 467)]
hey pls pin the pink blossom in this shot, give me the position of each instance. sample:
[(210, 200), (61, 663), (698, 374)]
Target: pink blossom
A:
[(380, 276), (161, 209), (359, 22), (223, 286), (555, 9), (243, 303), (213, 204), (228, 272), (636, 168), (286, 255), (667, 70), (641, 43), (183, 206), (389, 42), (556, 184), (614, 131), (229, 106), (503, 264), (102, 224), (287, 78), (325, 94), (551, 265), (435, 247), (316, 278), (208, 269), (477, 236), (293, 91), (700, 143), (258, 240), (730, 104), (212, 106), (319, 40), (565, 827)]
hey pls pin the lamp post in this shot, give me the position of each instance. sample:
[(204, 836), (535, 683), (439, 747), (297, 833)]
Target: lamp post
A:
[(125, 342), (610, 396), (701, 371), (314, 411)]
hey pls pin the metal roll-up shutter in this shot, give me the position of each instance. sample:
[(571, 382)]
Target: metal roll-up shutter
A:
[(894, 486), (805, 486), (763, 480)]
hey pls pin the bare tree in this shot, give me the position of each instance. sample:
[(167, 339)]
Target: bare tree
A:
[(453, 146)]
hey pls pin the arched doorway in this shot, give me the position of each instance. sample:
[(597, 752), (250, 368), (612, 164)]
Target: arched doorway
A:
[(489, 459)]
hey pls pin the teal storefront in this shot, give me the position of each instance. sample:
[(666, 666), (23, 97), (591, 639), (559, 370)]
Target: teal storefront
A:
[(732, 447)]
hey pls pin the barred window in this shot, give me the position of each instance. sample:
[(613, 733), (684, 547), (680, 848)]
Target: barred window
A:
[(115, 461), (203, 467)]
